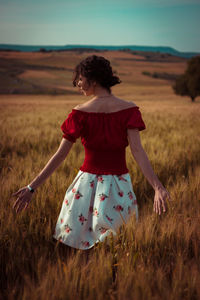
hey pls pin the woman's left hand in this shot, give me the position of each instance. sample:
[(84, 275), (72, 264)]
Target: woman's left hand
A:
[(161, 194), (23, 199)]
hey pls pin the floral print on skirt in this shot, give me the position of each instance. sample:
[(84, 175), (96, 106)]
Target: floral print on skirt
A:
[(94, 206)]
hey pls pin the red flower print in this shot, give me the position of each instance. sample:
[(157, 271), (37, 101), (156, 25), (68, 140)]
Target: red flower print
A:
[(61, 220), (121, 194), (95, 212), (78, 195), (103, 230), (121, 178), (102, 197), (91, 209), (66, 202), (109, 219), (67, 228), (100, 179), (85, 244), (73, 190), (118, 208), (82, 219), (134, 202), (92, 183), (130, 194)]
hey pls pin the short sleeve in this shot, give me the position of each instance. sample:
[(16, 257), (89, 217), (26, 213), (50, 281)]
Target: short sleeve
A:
[(71, 127), (134, 119)]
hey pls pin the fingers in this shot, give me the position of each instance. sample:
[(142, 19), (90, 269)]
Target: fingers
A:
[(26, 206), (160, 201), (18, 192), (17, 204), (18, 199), (164, 206), (20, 205), (23, 199), (159, 206), (15, 194), (154, 206), (169, 197)]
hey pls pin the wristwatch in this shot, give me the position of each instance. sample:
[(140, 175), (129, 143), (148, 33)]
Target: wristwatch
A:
[(30, 188)]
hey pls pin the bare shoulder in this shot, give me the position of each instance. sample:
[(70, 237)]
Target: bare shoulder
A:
[(80, 107), (125, 104), (83, 106), (77, 106), (114, 104)]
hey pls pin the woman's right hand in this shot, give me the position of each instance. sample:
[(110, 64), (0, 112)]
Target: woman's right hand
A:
[(23, 199)]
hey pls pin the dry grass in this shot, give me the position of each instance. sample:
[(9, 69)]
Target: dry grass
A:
[(157, 258)]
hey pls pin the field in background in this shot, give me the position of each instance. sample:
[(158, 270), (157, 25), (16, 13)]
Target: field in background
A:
[(51, 72), (157, 258)]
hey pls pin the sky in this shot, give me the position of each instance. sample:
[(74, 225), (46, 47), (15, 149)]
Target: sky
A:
[(173, 23)]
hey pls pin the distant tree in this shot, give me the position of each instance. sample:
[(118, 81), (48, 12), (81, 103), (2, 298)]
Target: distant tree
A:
[(188, 84), (43, 50)]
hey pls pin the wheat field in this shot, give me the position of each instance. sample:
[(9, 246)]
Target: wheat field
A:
[(157, 257)]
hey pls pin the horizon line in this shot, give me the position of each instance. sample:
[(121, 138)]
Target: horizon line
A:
[(102, 45)]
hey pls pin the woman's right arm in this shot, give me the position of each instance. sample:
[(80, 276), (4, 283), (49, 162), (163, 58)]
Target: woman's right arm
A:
[(53, 163), (24, 195)]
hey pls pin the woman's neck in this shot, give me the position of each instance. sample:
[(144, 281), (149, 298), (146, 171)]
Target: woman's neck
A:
[(102, 96)]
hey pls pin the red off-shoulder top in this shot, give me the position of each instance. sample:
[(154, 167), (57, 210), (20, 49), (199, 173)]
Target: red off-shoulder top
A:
[(104, 137)]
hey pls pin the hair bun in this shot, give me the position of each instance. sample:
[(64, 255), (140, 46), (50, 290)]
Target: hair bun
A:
[(114, 80), (96, 68)]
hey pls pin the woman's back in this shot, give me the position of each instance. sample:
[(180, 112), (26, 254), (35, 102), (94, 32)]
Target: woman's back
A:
[(105, 104)]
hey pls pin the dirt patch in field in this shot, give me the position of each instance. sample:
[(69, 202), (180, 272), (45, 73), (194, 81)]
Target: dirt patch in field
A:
[(24, 55), (36, 74)]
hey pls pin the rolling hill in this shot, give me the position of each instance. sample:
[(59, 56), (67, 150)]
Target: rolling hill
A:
[(158, 49)]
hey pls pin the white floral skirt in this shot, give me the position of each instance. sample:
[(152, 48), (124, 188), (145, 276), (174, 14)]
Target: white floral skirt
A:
[(94, 206)]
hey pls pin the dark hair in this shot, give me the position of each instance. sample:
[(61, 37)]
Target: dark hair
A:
[(96, 68)]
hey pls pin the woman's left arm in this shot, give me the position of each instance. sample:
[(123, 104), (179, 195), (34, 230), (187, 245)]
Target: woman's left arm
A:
[(161, 194), (23, 194)]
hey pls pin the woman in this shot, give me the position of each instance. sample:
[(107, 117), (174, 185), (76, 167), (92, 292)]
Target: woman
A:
[(101, 196)]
